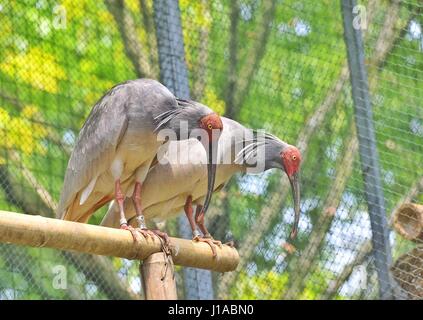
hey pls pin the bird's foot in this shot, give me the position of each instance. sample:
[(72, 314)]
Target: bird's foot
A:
[(210, 241), (132, 230), (216, 242), (163, 237), (230, 244)]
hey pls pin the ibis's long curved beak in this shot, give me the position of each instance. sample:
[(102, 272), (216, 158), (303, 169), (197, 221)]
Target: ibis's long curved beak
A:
[(295, 186), (211, 172)]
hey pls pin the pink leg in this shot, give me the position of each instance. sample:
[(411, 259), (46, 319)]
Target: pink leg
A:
[(120, 198), (196, 235), (199, 219), (189, 213), (142, 227)]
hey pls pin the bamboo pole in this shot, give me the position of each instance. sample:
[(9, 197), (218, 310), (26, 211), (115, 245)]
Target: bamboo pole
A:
[(158, 277), (408, 221), (408, 272), (37, 231)]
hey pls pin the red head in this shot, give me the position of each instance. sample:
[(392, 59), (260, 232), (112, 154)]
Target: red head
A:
[(211, 122), (213, 125), (291, 159)]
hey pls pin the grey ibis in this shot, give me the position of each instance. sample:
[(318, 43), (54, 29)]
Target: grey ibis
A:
[(172, 186), (119, 141)]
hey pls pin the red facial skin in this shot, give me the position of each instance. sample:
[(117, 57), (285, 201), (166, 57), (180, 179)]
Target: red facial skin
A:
[(211, 122), (291, 158)]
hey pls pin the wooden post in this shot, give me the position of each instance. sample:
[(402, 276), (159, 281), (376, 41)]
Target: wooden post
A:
[(408, 221), (157, 276), (408, 272)]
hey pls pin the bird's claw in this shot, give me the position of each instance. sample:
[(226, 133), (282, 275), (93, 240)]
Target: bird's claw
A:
[(211, 242), (132, 230), (230, 244), (216, 242), (163, 237), (146, 233)]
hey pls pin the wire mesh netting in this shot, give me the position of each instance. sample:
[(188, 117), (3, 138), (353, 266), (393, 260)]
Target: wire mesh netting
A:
[(276, 65)]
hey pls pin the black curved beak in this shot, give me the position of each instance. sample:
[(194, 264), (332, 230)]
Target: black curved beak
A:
[(211, 172), (295, 187)]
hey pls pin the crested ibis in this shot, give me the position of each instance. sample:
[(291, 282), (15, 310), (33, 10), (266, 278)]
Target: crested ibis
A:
[(120, 139), (172, 186)]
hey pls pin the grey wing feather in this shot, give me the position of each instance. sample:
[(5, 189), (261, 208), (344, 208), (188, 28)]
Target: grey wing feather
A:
[(95, 147)]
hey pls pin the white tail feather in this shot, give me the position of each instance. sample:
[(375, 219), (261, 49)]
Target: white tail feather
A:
[(87, 191)]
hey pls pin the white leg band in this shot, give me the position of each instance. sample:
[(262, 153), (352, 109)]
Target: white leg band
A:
[(196, 233), (141, 222)]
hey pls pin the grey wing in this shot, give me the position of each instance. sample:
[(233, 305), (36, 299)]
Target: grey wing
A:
[(95, 148)]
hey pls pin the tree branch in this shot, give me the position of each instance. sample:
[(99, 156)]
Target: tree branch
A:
[(255, 54), (240, 82), (414, 191), (200, 76), (390, 32), (18, 260), (363, 252), (12, 100), (300, 267), (149, 28), (383, 45), (233, 61), (366, 247), (52, 136), (127, 29), (276, 201), (43, 194)]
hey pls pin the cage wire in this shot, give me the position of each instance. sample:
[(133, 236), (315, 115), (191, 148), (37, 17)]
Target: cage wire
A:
[(277, 65)]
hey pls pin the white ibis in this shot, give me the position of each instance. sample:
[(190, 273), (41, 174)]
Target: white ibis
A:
[(119, 141), (172, 186)]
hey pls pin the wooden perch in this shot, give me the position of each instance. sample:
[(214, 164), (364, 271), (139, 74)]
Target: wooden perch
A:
[(37, 231), (408, 221), (408, 272)]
